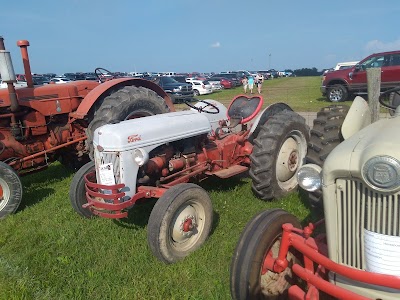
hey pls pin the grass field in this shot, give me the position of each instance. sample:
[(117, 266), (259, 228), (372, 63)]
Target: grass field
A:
[(48, 252)]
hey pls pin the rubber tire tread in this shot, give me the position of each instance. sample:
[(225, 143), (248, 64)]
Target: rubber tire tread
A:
[(324, 137), (120, 104), (253, 243), (266, 149), (13, 181), (77, 190), (162, 213)]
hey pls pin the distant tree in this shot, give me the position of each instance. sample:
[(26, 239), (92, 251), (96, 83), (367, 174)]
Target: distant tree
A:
[(307, 72), (288, 71)]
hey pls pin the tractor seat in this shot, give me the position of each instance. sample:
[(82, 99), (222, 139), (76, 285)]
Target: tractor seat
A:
[(243, 109)]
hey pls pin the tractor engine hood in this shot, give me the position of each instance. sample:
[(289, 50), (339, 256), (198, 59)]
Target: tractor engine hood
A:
[(148, 132), (349, 157)]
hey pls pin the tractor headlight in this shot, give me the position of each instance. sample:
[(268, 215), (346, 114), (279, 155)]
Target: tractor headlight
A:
[(382, 173), (309, 177), (140, 156)]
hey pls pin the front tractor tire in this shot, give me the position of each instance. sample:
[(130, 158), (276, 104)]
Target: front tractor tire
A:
[(10, 190), (259, 243), (324, 137), (180, 222), (77, 191), (279, 151), (126, 103), (337, 93)]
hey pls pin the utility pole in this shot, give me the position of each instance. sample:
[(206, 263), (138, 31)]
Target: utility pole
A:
[(269, 62)]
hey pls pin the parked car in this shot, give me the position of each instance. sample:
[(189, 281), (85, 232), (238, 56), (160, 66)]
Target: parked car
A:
[(178, 91), (17, 84), (60, 80), (40, 80), (201, 87), (179, 78), (236, 81), (338, 85), (224, 82)]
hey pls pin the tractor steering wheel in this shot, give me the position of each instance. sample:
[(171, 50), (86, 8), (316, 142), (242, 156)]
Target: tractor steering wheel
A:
[(100, 72), (390, 99), (200, 109)]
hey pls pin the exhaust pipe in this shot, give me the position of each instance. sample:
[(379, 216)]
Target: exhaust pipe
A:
[(23, 44)]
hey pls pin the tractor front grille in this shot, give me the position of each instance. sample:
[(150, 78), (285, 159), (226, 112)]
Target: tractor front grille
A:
[(113, 158), (361, 207)]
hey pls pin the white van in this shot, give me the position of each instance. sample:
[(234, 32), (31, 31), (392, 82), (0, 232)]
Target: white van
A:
[(345, 65)]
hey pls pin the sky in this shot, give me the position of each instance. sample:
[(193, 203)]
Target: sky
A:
[(196, 36)]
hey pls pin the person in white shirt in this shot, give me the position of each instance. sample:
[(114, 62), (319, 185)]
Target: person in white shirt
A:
[(259, 82)]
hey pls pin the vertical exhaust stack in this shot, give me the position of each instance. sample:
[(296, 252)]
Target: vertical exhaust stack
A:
[(8, 76), (23, 44)]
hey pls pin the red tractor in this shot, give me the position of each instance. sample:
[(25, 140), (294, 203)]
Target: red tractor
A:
[(40, 124), (161, 156)]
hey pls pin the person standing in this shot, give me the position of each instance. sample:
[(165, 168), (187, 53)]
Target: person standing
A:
[(259, 82), (250, 82), (245, 84)]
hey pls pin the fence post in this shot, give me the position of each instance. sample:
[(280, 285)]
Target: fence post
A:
[(374, 90)]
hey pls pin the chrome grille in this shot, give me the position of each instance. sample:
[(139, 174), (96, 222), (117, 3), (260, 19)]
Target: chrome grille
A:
[(112, 157), (360, 207)]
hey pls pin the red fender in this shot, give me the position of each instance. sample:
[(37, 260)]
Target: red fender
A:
[(101, 89)]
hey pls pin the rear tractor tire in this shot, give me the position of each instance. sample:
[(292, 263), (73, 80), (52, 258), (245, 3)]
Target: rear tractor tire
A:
[(126, 103), (324, 137), (279, 151), (10, 190)]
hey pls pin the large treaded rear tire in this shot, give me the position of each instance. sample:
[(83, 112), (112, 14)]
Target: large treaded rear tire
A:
[(126, 103), (11, 190), (324, 137), (279, 151)]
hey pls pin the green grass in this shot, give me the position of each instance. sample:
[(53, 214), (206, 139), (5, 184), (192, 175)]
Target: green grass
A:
[(47, 251)]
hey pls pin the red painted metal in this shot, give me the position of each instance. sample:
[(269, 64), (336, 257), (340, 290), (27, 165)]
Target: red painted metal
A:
[(257, 110), (23, 44), (187, 225), (101, 89), (314, 253), (108, 200)]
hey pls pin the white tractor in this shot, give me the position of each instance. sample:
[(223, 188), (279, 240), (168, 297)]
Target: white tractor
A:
[(161, 156)]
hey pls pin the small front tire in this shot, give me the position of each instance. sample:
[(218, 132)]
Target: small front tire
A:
[(180, 222), (77, 191), (260, 241)]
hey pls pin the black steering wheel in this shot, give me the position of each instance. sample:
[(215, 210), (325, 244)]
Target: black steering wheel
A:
[(200, 109), (100, 72), (390, 99)]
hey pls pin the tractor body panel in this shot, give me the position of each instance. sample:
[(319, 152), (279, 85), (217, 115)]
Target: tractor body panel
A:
[(118, 142), (361, 195)]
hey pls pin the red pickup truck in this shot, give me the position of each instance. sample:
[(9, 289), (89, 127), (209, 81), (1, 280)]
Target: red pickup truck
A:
[(339, 85)]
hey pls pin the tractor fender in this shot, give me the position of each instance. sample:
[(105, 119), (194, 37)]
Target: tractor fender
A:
[(263, 116), (106, 87)]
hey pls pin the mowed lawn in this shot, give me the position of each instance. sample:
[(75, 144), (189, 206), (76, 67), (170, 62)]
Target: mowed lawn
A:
[(47, 251)]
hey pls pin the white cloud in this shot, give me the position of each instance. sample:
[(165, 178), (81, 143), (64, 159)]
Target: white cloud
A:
[(379, 46), (216, 45)]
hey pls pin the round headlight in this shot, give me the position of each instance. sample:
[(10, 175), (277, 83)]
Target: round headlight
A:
[(382, 173), (309, 177), (140, 156)]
